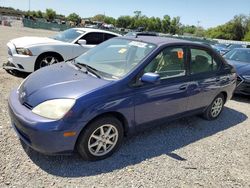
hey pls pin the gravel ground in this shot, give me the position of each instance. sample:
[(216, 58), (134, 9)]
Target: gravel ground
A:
[(190, 152)]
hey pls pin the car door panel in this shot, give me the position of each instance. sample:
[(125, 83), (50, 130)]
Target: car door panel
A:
[(160, 101)]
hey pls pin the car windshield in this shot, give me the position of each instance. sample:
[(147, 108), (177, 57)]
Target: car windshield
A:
[(233, 46), (116, 57), (68, 35), (238, 55)]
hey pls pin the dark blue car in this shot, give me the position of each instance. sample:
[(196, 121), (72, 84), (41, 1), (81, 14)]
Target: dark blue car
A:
[(240, 59), (115, 89)]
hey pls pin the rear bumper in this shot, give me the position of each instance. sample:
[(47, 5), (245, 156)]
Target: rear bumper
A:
[(41, 134)]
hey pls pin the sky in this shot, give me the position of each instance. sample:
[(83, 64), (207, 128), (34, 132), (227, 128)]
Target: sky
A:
[(209, 13)]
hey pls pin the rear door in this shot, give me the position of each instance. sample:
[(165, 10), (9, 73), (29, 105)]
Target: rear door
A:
[(204, 77), (168, 97)]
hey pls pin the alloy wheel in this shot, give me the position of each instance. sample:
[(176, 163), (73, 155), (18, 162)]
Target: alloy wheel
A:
[(103, 140), (49, 60), (216, 107)]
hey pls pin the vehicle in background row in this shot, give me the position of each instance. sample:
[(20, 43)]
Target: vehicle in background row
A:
[(28, 54), (224, 48), (134, 34), (240, 59), (221, 48), (117, 88)]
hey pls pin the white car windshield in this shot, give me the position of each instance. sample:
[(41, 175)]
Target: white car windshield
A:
[(68, 35), (116, 57)]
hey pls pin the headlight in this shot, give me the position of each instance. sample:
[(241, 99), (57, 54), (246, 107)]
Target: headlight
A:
[(54, 109), (247, 77), (24, 51)]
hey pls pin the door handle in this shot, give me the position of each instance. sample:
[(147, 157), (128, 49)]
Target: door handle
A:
[(183, 87)]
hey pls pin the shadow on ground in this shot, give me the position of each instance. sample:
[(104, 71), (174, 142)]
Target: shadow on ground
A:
[(162, 140), (241, 98)]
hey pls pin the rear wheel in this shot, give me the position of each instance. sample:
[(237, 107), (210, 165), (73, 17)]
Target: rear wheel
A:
[(215, 108), (100, 139), (47, 60)]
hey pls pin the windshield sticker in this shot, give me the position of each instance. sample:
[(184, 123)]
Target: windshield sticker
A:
[(122, 51), (138, 44)]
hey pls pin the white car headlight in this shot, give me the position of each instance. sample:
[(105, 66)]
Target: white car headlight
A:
[(54, 109), (24, 51), (247, 77)]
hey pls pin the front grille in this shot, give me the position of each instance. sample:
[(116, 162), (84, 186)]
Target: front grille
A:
[(239, 80), (9, 52)]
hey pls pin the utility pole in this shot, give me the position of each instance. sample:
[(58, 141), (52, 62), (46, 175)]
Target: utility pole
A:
[(29, 5)]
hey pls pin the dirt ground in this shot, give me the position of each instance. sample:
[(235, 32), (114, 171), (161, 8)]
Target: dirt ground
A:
[(189, 152)]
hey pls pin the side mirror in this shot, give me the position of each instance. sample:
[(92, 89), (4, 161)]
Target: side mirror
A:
[(82, 42), (150, 77)]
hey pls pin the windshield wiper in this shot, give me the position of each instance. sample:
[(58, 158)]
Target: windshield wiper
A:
[(86, 68)]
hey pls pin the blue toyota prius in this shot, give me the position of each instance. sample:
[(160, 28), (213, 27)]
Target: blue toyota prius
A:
[(124, 84)]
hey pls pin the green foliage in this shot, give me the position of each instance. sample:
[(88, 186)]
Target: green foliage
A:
[(247, 36), (50, 14), (235, 29), (74, 17)]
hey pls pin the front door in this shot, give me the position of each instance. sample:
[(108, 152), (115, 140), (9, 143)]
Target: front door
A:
[(168, 97)]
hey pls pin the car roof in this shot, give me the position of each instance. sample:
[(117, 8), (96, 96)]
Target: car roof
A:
[(159, 41), (96, 30)]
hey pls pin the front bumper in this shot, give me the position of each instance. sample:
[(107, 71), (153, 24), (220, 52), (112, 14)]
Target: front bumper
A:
[(41, 134), (243, 86), (19, 62)]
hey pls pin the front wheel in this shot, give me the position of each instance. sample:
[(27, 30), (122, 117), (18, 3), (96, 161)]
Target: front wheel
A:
[(215, 108), (47, 60), (100, 139)]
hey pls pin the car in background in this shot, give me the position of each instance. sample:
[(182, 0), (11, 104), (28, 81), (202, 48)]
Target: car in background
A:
[(119, 87), (134, 34), (220, 48), (28, 54), (240, 59)]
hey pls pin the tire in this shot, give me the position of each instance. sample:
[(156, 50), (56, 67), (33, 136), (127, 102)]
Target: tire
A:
[(47, 59), (215, 108), (91, 143)]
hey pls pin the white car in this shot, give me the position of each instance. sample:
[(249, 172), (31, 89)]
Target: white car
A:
[(28, 54)]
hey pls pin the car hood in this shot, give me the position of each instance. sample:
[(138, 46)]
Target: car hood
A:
[(62, 80), (241, 67), (30, 41)]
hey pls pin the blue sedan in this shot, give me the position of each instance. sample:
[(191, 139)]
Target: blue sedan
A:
[(240, 59), (115, 89)]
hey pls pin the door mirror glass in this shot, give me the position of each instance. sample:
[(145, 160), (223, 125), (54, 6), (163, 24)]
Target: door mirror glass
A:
[(82, 42), (150, 77)]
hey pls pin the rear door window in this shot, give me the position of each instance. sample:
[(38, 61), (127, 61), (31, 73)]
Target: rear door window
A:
[(202, 61)]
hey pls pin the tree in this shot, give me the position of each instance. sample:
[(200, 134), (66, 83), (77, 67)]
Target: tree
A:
[(99, 18), (50, 14), (175, 25), (166, 24), (39, 14), (137, 14), (247, 36), (189, 29), (74, 17), (124, 22)]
